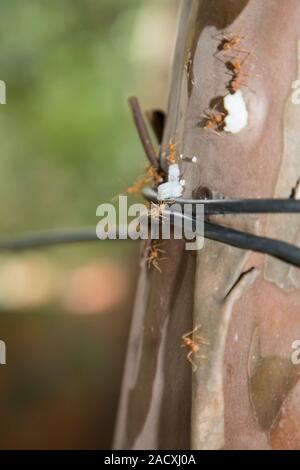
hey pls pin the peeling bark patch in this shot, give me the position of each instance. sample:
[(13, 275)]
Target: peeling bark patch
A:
[(285, 432), (270, 384)]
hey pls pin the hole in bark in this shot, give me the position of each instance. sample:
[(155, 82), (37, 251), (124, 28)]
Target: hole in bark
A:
[(202, 193)]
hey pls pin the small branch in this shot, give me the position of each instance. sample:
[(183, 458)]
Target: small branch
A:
[(143, 131)]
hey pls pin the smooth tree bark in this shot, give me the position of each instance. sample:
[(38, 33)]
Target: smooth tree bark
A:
[(246, 393)]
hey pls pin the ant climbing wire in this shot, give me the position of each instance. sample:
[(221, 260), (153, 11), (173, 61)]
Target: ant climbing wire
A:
[(213, 231)]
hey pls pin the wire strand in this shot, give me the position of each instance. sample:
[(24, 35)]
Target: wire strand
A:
[(235, 206), (35, 240), (247, 241)]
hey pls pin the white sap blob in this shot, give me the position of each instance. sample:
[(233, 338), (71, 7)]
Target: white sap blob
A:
[(173, 173), (237, 117), (173, 188)]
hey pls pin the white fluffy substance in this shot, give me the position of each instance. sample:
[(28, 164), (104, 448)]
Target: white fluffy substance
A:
[(173, 187), (237, 117), (173, 173)]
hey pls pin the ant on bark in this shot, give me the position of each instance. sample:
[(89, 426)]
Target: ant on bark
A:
[(152, 175), (171, 152), (193, 342), (214, 121), (154, 256), (235, 66), (235, 84), (229, 41)]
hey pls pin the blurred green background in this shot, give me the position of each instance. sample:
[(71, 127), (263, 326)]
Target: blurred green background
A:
[(67, 144)]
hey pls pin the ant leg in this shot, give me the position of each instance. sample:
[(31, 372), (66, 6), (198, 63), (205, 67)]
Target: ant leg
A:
[(223, 35), (218, 36), (247, 55), (214, 108), (160, 251), (217, 54), (149, 261), (189, 333), (215, 132), (229, 35), (207, 114), (241, 51), (202, 357), (247, 86), (189, 358), (202, 341), (155, 264)]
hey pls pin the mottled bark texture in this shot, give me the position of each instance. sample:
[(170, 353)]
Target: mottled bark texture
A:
[(245, 394)]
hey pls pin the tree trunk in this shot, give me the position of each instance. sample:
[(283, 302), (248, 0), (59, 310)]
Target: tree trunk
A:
[(246, 393)]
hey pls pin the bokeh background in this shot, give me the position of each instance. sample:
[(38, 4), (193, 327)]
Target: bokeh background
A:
[(67, 144)]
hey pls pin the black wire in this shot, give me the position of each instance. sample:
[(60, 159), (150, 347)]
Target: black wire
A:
[(235, 206), (247, 241), (51, 237), (276, 248), (249, 206), (279, 249)]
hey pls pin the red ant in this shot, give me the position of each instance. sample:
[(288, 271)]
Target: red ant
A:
[(235, 84), (193, 342), (229, 41), (152, 175), (157, 176), (235, 65), (171, 152), (154, 256), (156, 211), (214, 120)]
